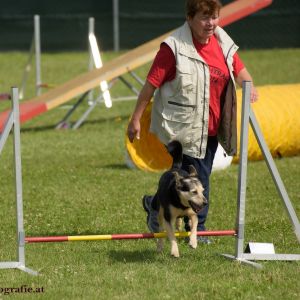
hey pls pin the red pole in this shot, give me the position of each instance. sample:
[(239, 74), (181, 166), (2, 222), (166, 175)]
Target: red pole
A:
[(43, 239)]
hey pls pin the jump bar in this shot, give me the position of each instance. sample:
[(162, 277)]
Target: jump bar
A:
[(128, 236)]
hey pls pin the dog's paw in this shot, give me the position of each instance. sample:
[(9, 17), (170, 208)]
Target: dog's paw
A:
[(175, 254), (174, 250), (193, 243), (159, 246)]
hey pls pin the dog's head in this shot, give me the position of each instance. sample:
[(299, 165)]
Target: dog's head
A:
[(190, 190)]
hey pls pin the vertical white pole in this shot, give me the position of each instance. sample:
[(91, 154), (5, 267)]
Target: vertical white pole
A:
[(91, 30), (242, 184), (116, 25), (18, 178), (91, 60), (246, 118), (37, 43), (19, 187)]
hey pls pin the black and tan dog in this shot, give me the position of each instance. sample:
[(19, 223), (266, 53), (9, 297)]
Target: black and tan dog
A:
[(179, 194)]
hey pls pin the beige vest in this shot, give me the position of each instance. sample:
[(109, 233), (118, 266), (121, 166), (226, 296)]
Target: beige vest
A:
[(181, 107)]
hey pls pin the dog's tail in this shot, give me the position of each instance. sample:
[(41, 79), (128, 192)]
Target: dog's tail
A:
[(175, 149)]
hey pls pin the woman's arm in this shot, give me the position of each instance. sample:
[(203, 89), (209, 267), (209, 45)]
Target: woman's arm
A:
[(134, 126)]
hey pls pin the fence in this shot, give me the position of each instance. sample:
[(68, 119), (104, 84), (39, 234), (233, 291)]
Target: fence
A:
[(64, 24)]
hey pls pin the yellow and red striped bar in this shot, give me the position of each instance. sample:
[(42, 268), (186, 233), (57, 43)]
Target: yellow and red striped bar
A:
[(128, 236)]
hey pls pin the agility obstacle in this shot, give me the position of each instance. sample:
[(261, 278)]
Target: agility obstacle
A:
[(13, 121), (247, 117), (126, 236)]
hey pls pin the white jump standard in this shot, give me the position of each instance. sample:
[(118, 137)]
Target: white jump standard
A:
[(248, 115), (14, 121)]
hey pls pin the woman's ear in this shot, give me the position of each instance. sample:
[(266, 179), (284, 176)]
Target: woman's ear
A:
[(188, 19)]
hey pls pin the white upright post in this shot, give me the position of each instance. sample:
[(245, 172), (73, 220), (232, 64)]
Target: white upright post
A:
[(116, 25), (242, 183), (26, 71), (14, 120), (91, 60), (240, 255), (37, 44)]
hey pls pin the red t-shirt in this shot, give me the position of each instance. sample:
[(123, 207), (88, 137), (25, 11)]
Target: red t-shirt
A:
[(164, 69)]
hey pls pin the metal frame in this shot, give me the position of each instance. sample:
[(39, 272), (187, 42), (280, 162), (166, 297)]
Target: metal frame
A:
[(93, 103), (116, 26), (35, 50), (91, 61), (37, 47), (26, 71), (13, 121), (99, 100), (248, 116)]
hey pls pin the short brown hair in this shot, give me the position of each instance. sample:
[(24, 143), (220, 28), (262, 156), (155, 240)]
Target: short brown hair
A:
[(207, 7)]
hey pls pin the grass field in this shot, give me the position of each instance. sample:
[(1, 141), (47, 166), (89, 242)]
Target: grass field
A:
[(76, 182)]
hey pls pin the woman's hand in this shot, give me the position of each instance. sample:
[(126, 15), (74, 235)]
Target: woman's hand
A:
[(133, 129), (134, 126), (244, 75), (253, 94)]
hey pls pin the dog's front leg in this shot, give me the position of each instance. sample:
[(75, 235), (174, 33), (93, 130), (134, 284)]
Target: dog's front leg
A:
[(193, 236), (178, 224), (160, 241), (172, 238)]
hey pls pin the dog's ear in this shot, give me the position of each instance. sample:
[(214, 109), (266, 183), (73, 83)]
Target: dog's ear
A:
[(192, 171), (177, 179)]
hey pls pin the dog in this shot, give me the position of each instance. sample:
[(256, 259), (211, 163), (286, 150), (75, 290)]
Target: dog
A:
[(179, 194)]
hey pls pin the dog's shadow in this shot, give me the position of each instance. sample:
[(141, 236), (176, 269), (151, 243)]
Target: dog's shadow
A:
[(132, 256)]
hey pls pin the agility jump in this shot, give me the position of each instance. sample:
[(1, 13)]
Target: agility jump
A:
[(128, 236), (247, 258), (247, 117)]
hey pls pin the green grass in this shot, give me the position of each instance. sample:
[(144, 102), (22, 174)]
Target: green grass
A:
[(76, 182)]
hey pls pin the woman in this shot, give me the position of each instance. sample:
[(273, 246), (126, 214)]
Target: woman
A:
[(194, 75)]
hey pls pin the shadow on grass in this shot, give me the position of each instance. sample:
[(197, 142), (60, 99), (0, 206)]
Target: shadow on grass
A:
[(116, 167), (38, 129), (133, 256), (67, 125)]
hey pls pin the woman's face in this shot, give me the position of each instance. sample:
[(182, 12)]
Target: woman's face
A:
[(203, 26)]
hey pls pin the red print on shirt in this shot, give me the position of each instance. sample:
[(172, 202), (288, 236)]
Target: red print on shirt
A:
[(164, 69)]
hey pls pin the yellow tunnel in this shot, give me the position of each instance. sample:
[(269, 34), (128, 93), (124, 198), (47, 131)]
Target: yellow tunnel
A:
[(277, 113)]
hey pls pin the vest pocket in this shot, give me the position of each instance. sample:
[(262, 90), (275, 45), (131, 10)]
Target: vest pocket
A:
[(179, 112), (178, 123), (186, 79), (184, 106)]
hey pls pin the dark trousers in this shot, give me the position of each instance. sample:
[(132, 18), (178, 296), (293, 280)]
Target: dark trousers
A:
[(203, 167)]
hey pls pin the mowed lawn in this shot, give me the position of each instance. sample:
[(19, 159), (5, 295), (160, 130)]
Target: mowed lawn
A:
[(76, 182)]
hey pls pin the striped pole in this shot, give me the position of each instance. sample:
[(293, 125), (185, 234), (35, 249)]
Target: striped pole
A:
[(128, 236)]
